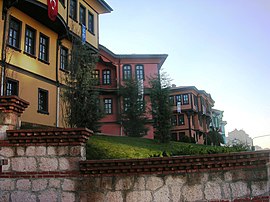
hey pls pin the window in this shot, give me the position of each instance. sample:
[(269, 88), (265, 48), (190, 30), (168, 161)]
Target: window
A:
[(14, 33), (44, 48), (108, 106), (30, 40), (185, 99), (95, 76), (181, 120), (12, 87), (106, 77), (178, 98), (126, 104), (63, 58), (90, 22), (126, 72), (43, 101), (139, 72), (82, 15), (174, 120), (73, 9), (171, 100)]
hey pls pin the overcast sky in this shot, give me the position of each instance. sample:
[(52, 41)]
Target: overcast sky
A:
[(220, 46)]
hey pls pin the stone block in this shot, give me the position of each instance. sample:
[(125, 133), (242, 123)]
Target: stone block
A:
[(76, 151), (124, 183), (162, 195), (69, 185), (62, 151), (212, 191), (68, 197), (20, 151), (7, 185), (226, 190), (175, 192), (24, 164), (259, 188), (19, 196), (228, 176), (7, 152), (153, 183), (35, 151), (48, 196), (240, 189), (93, 196), (23, 184), (67, 163), (51, 151), (54, 183), (139, 196), (192, 193), (175, 180), (115, 196), (48, 164), (106, 183), (39, 184), (4, 196), (139, 184)]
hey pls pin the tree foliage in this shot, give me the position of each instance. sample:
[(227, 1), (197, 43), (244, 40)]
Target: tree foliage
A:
[(214, 138), (133, 114), (161, 108), (80, 94)]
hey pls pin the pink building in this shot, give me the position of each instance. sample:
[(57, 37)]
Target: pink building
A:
[(112, 70)]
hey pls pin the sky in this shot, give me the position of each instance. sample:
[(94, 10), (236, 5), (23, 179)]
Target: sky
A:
[(220, 46)]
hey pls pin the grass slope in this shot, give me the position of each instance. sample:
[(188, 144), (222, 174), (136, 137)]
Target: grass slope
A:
[(110, 147)]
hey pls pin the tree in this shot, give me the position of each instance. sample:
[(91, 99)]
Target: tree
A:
[(214, 138), (80, 94), (133, 112), (161, 108)]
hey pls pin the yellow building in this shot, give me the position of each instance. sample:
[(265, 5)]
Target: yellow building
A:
[(35, 43)]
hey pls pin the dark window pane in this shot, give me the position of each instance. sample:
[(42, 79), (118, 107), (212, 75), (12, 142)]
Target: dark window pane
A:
[(91, 22), (14, 33), (12, 87), (43, 101)]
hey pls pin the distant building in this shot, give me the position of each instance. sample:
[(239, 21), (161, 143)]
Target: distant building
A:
[(238, 137), (191, 113), (218, 123)]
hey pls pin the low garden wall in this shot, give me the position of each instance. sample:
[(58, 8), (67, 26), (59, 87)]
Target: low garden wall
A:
[(50, 165)]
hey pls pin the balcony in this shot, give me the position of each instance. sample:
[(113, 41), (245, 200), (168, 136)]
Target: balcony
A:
[(107, 87), (38, 10)]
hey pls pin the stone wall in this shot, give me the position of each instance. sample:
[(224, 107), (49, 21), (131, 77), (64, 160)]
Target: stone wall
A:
[(50, 165)]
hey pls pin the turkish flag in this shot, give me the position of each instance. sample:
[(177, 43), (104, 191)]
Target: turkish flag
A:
[(52, 9)]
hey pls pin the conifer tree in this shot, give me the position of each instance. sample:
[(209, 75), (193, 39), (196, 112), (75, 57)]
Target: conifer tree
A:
[(80, 94), (161, 108), (133, 111)]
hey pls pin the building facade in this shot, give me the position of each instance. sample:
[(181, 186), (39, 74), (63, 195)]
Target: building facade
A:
[(35, 41), (113, 70), (191, 113), (217, 123)]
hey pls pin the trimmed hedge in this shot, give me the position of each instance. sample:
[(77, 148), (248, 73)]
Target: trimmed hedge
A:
[(111, 147)]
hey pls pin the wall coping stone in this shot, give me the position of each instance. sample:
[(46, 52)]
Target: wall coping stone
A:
[(176, 164), (9, 104), (47, 137)]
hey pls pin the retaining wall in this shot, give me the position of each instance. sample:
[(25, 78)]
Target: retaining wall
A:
[(50, 165)]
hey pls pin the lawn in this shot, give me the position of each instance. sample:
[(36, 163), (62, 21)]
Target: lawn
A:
[(111, 147)]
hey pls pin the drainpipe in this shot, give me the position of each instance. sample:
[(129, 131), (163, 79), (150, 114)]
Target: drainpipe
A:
[(119, 101), (58, 42), (3, 61)]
